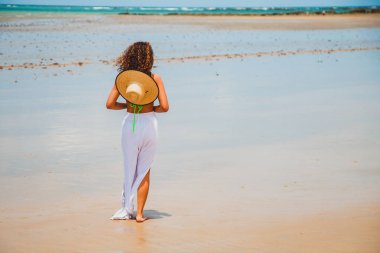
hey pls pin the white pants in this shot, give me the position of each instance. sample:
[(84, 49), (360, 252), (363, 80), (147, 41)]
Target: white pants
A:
[(139, 148)]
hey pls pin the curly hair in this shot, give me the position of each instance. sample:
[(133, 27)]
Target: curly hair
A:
[(138, 56)]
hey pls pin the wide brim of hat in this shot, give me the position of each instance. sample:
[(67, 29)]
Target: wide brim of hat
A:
[(147, 84)]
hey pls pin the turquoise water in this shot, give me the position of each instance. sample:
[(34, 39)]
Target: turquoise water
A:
[(186, 10)]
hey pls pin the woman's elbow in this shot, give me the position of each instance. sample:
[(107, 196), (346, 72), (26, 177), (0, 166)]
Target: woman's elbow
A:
[(109, 105), (165, 108)]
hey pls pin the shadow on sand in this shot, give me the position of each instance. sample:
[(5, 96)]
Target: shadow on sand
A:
[(154, 214)]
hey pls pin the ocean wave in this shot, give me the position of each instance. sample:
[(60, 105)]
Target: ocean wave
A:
[(147, 8), (101, 8), (186, 9)]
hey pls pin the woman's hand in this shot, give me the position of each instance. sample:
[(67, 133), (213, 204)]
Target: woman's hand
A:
[(162, 98), (158, 108), (112, 98)]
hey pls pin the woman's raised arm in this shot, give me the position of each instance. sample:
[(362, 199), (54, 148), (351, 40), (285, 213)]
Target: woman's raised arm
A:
[(162, 98)]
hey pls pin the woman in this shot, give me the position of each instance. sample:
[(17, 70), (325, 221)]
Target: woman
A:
[(138, 145)]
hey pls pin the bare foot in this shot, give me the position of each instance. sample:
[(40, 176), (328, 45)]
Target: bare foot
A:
[(140, 218)]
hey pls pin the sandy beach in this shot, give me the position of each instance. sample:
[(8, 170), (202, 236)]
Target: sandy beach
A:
[(271, 143)]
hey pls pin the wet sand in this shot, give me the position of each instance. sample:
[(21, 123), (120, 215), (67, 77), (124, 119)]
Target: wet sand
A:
[(199, 57), (271, 143)]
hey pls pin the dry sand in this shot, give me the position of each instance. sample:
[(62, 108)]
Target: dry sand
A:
[(355, 229)]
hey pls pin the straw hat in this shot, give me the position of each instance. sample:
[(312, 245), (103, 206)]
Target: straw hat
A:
[(136, 87)]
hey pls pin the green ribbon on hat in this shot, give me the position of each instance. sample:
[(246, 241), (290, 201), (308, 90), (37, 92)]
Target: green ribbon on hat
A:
[(134, 114)]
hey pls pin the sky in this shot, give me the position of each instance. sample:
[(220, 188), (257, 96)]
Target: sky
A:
[(200, 3)]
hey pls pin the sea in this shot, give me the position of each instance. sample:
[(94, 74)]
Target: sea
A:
[(189, 10)]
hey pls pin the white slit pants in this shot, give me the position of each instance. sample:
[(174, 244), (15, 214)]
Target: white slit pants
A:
[(139, 148)]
